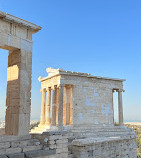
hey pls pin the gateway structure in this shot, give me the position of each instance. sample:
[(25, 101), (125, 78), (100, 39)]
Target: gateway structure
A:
[(16, 37)]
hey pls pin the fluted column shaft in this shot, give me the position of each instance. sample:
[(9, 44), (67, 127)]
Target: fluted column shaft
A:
[(53, 120), (60, 108), (67, 95), (71, 103), (42, 117), (57, 104), (120, 107), (64, 105), (48, 102)]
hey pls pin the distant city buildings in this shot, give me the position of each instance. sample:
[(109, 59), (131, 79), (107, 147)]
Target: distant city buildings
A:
[(2, 123)]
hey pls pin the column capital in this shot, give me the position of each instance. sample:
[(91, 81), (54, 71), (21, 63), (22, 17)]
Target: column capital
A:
[(43, 90), (68, 85), (54, 87), (60, 86), (120, 90), (48, 88)]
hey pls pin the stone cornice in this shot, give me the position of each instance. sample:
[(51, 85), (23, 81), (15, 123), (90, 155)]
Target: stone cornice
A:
[(58, 72), (24, 23), (118, 90)]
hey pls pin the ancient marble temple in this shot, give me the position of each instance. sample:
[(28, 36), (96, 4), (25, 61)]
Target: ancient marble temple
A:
[(72, 99), (82, 105)]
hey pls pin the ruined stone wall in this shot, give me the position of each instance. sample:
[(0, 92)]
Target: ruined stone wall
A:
[(104, 148), (47, 145), (55, 141), (92, 100)]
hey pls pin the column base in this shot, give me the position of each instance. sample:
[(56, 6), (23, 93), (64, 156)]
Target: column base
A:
[(54, 128), (67, 127), (43, 128)]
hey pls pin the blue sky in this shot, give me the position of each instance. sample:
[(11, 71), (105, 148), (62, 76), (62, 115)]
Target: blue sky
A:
[(101, 37)]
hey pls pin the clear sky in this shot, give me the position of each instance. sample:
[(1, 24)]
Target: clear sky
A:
[(101, 37)]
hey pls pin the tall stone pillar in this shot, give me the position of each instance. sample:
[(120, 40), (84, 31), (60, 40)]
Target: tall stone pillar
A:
[(48, 102), (53, 120), (18, 99), (71, 103), (60, 108), (42, 119), (57, 104), (66, 106), (120, 107)]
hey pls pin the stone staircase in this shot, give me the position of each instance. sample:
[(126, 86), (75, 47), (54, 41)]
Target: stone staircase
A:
[(42, 128), (101, 131), (84, 133), (12, 146), (39, 129)]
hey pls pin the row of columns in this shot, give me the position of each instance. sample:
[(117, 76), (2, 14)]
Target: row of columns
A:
[(57, 107), (120, 105), (46, 105)]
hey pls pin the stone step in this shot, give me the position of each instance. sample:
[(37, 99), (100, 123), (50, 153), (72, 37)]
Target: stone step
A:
[(23, 143), (30, 154), (71, 156), (19, 146), (38, 130), (98, 134), (17, 155), (102, 129), (10, 151), (18, 143), (40, 153), (103, 132), (8, 138), (31, 148)]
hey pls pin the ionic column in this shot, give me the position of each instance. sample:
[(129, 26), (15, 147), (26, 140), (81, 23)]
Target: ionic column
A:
[(66, 114), (65, 106), (42, 117), (53, 120), (60, 108), (120, 107), (71, 103), (48, 121), (57, 104)]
